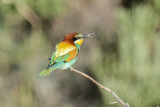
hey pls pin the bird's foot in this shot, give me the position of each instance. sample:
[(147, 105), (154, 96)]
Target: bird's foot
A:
[(70, 68)]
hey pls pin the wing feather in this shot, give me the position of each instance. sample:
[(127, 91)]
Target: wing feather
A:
[(64, 52), (63, 48)]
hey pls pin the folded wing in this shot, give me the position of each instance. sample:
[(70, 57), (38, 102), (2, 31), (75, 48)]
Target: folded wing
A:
[(64, 52)]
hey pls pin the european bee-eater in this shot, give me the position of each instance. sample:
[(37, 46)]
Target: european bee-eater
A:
[(66, 52)]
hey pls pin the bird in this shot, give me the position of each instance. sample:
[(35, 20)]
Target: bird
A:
[(66, 52)]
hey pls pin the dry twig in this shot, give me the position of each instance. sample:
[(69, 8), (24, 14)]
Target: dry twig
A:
[(26, 12), (101, 86)]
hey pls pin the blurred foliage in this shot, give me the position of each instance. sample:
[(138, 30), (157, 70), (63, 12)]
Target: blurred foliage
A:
[(135, 73), (124, 55)]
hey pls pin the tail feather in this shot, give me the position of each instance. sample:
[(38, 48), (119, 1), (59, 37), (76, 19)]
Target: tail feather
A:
[(46, 72), (51, 67)]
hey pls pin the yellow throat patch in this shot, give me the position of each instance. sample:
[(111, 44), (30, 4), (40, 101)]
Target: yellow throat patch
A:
[(79, 41)]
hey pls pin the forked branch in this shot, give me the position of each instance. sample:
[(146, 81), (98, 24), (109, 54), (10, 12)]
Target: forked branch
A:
[(101, 86)]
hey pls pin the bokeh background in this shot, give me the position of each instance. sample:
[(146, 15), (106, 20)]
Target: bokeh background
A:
[(124, 55)]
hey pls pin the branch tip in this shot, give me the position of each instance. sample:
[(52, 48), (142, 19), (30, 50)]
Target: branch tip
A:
[(113, 102), (102, 86)]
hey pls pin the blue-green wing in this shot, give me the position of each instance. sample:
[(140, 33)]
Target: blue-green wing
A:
[(62, 58), (52, 58), (59, 59)]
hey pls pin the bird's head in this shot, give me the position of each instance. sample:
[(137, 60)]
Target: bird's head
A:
[(77, 38)]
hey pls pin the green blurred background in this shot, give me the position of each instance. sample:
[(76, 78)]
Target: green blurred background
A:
[(124, 55)]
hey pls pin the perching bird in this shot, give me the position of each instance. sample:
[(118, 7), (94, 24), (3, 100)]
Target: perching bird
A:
[(66, 52)]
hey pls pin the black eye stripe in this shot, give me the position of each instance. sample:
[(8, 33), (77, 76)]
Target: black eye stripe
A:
[(76, 38)]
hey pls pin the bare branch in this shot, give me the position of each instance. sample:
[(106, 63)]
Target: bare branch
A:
[(26, 12), (101, 86), (29, 14), (113, 102)]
